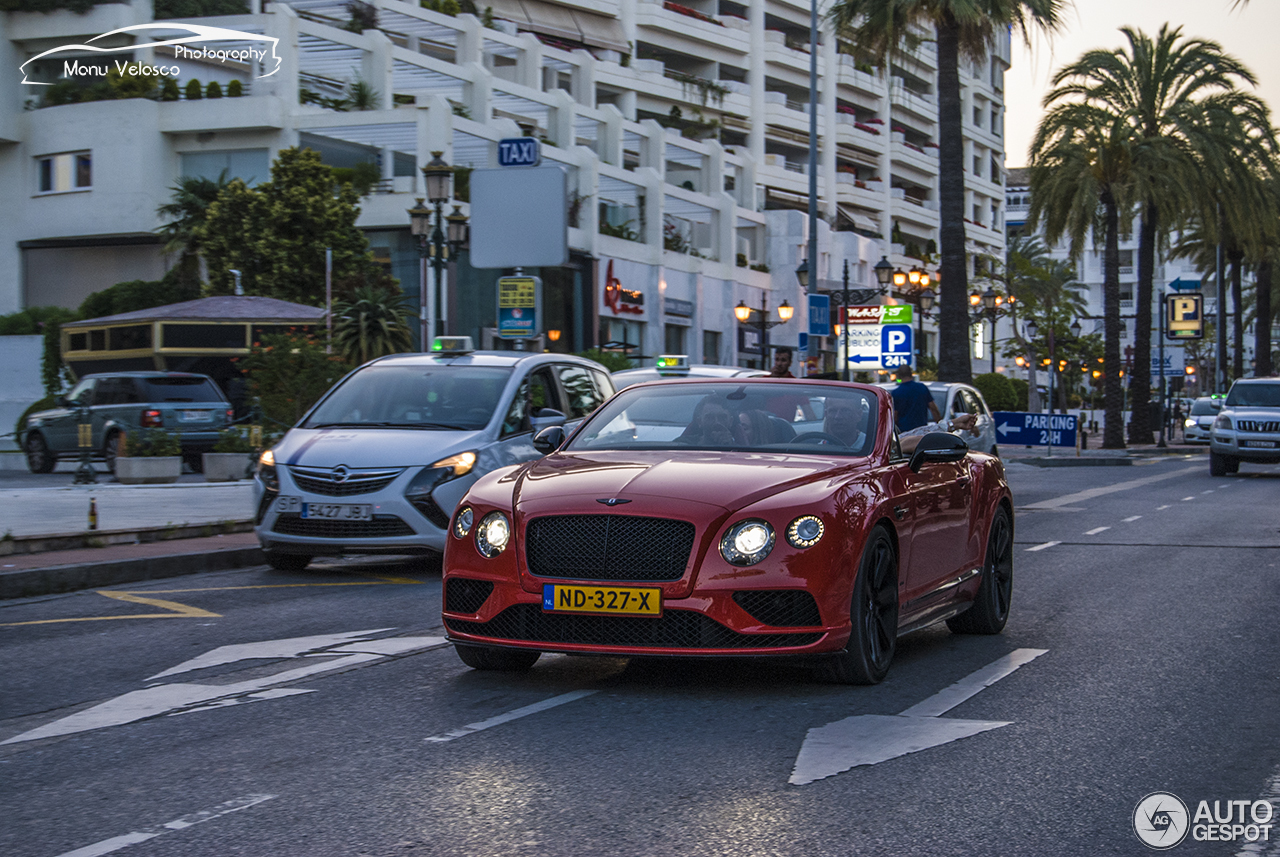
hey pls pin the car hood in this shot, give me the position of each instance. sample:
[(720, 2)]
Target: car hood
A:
[(372, 447), (727, 481), (1246, 413)]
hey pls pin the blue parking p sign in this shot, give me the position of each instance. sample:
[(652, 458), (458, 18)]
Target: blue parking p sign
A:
[(895, 345)]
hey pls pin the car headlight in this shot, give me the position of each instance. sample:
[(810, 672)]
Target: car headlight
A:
[(805, 531), (444, 470), (493, 534), (1190, 423), (1223, 422), (461, 463), (267, 470), (462, 523), (747, 542)]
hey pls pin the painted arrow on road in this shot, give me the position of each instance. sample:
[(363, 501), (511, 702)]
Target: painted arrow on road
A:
[(869, 739)]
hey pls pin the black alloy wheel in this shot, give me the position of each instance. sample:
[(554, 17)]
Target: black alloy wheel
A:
[(990, 610), (874, 613), (39, 458), (503, 660)]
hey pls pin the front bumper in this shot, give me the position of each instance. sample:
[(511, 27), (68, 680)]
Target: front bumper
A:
[(1195, 434), (1235, 444)]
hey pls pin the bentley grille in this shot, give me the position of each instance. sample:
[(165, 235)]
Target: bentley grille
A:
[(608, 547)]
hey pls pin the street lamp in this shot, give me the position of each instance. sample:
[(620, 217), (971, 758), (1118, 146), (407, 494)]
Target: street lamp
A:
[(431, 241), (762, 321)]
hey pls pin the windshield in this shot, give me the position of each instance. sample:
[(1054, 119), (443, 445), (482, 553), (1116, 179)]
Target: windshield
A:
[(1254, 396), (1202, 407), (738, 416), (434, 396)]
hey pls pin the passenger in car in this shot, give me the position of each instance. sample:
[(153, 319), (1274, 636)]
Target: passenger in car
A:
[(909, 440), (713, 424)]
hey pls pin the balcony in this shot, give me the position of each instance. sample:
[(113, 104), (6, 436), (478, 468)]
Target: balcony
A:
[(257, 113)]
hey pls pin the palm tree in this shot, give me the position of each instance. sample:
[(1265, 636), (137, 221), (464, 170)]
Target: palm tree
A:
[(1081, 179), (962, 28), (372, 322), (187, 212), (1178, 101)]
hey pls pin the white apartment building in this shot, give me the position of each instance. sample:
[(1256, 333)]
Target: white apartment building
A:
[(682, 129)]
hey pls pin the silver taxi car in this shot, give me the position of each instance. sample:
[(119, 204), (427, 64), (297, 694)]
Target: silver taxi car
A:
[(954, 400), (379, 464)]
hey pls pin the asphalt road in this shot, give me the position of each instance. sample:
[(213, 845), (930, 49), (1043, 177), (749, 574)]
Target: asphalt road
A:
[(1140, 657)]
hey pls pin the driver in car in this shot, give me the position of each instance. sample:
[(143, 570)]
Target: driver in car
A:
[(844, 420)]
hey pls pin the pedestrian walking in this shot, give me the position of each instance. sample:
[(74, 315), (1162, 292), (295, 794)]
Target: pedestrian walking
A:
[(913, 404)]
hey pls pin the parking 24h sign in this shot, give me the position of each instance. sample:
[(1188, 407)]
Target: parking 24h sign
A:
[(879, 337)]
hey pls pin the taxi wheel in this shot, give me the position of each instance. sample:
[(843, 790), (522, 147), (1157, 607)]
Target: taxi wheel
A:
[(990, 608), (287, 561), (1221, 465), (39, 459), (874, 611), (505, 660)]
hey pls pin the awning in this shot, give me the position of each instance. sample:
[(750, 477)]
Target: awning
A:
[(601, 31), (551, 20), (861, 221)]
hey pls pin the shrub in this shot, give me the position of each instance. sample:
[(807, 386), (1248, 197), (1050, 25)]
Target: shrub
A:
[(1021, 391), (289, 372), (235, 89), (169, 90), (997, 390), (150, 443), (214, 90), (234, 439), (611, 360), (194, 92)]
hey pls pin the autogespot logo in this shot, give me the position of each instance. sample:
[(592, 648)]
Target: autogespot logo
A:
[(1160, 820), (186, 41)]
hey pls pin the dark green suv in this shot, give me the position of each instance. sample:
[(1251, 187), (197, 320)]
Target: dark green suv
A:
[(188, 404)]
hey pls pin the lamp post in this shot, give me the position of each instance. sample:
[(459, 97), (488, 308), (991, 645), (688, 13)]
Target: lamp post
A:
[(431, 244), (762, 321)]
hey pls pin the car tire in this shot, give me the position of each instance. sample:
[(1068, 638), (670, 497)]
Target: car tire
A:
[(502, 660), (873, 610), (110, 448), (287, 561), (39, 458), (1221, 465), (990, 609)]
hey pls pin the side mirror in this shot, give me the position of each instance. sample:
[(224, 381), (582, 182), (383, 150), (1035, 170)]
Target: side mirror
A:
[(549, 439), (546, 418), (61, 401), (1216, 404), (937, 446)]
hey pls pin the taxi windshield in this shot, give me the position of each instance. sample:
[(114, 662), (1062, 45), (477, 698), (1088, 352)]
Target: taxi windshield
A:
[(763, 416), (432, 396)]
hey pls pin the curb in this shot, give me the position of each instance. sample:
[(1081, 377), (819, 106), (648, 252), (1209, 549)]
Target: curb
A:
[(27, 582), (19, 545), (1116, 461)]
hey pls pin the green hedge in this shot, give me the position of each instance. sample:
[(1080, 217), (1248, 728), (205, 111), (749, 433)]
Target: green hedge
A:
[(997, 390)]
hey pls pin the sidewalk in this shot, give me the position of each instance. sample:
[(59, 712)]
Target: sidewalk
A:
[(1039, 456)]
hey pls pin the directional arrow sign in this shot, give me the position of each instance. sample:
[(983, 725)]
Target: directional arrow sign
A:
[(869, 739)]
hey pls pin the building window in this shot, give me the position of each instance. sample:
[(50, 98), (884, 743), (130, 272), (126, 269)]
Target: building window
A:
[(673, 339), (711, 346), (977, 116), (69, 171)]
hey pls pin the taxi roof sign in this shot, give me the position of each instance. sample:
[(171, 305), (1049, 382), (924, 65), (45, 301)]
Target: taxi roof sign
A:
[(672, 364), (452, 345)]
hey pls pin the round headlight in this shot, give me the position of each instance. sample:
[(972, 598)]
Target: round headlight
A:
[(462, 523), (804, 531), (747, 542), (493, 534)]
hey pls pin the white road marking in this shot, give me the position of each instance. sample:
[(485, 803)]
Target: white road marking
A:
[(1271, 793), (1131, 519), (1162, 508), (115, 843), (1096, 530), (1042, 547), (1185, 499), (1207, 491), (516, 714), (1082, 496), (869, 739), (268, 649)]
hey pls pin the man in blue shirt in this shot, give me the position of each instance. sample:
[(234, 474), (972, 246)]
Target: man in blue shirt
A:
[(912, 403)]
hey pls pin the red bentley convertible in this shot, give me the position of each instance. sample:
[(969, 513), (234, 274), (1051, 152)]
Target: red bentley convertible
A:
[(736, 517)]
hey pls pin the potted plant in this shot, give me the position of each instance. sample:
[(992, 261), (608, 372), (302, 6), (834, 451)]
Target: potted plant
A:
[(231, 458), (149, 457)]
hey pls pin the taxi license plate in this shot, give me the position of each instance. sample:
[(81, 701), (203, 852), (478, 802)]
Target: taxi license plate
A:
[(338, 511), (611, 600), (195, 416), (1260, 444)]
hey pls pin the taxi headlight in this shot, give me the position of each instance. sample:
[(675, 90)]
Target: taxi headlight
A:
[(493, 534), (747, 542), (267, 470), (462, 523), (1190, 423), (461, 463), (805, 531)]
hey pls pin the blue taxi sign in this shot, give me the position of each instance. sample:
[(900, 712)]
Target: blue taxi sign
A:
[(519, 152)]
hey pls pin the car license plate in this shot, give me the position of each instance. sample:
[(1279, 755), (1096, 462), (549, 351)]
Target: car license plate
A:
[(1260, 444), (195, 416), (612, 600), (338, 511)]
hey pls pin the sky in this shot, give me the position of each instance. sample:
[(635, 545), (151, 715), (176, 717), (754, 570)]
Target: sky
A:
[(1248, 33)]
